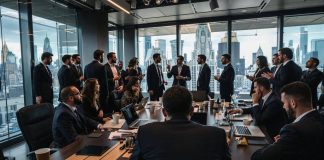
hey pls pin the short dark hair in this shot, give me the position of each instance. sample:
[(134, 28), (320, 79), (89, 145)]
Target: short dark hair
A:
[(263, 82), (66, 57), (132, 81), (177, 100), (46, 55), (74, 56), (181, 57), (263, 61), (300, 91), (156, 55), (276, 54), (110, 55), (203, 57), (227, 56), (315, 60), (132, 62), (97, 54), (287, 51), (66, 92)]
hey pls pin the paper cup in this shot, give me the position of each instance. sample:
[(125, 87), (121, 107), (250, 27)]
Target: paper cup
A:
[(115, 119), (43, 154)]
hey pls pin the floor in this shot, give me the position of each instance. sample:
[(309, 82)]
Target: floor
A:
[(19, 151)]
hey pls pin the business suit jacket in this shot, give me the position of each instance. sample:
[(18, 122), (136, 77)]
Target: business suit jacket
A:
[(67, 125), (77, 71), (109, 77), (313, 79), (204, 79), (286, 74), (185, 72), (180, 138), (258, 74), (43, 83), (153, 81), (301, 140), (270, 115), (226, 81), (66, 77)]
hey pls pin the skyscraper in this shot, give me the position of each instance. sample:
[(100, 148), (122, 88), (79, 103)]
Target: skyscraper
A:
[(47, 46), (274, 50), (222, 49), (259, 52), (303, 44), (174, 50), (161, 44), (297, 55), (254, 55), (147, 44), (318, 45)]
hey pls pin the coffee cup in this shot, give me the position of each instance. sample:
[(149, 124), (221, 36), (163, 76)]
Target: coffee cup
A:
[(152, 108), (246, 121), (115, 117), (43, 154)]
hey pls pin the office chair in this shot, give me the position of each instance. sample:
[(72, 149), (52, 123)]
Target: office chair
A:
[(35, 122), (199, 96)]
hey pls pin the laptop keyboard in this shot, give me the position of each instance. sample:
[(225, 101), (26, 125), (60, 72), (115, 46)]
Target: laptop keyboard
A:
[(243, 130)]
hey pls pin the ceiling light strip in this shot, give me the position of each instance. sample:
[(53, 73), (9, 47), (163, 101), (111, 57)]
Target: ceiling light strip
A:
[(118, 6)]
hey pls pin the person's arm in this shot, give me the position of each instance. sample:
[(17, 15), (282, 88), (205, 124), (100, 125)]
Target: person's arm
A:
[(136, 155), (188, 75), (228, 76), (149, 78), (65, 126), (171, 73)]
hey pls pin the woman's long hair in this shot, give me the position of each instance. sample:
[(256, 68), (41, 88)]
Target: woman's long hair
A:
[(89, 91), (131, 82), (263, 62)]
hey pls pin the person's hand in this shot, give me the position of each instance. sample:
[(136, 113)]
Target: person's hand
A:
[(106, 119), (267, 75), (249, 77), (180, 77), (100, 115), (100, 126), (116, 78), (276, 138), (233, 111), (38, 99), (151, 92), (216, 77), (256, 97)]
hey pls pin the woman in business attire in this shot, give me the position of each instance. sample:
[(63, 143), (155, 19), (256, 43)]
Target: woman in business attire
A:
[(262, 64), (90, 100), (132, 92)]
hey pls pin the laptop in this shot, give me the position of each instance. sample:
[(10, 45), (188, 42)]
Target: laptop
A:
[(132, 118), (248, 131), (142, 104)]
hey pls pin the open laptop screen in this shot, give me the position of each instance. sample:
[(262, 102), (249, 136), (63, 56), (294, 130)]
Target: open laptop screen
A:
[(129, 113)]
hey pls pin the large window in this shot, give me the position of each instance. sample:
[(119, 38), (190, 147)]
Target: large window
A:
[(209, 39), (157, 40), (11, 81), (54, 32), (113, 41), (250, 39), (305, 36)]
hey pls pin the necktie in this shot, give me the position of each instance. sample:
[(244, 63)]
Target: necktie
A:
[(48, 71), (160, 76)]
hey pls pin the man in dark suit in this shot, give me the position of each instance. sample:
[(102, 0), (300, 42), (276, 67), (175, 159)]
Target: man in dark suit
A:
[(43, 80), (77, 69), (204, 74), (68, 121), (226, 79), (267, 108), (65, 74), (178, 137), (113, 80), (288, 72), (95, 69), (155, 80), (302, 139), (313, 77), (180, 73), (276, 64)]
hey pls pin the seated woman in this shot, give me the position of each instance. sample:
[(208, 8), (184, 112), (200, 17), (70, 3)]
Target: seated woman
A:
[(132, 92), (133, 70), (90, 100)]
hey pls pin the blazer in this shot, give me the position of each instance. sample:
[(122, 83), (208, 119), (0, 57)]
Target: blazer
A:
[(77, 71), (43, 83), (313, 79), (67, 125), (90, 111), (300, 140), (204, 78), (257, 74), (270, 115), (66, 77), (109, 77), (96, 70), (180, 138), (185, 72), (286, 74), (226, 81), (153, 78)]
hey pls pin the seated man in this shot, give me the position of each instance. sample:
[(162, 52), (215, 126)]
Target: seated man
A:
[(267, 109), (68, 122), (178, 137), (302, 139)]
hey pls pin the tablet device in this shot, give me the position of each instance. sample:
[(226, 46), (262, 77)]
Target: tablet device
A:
[(92, 150)]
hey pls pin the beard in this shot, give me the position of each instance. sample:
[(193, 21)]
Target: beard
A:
[(77, 101), (290, 113)]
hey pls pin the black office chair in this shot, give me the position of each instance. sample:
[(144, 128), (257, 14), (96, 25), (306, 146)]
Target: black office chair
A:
[(35, 123), (199, 96)]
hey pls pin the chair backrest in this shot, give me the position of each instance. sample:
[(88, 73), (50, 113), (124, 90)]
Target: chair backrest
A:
[(35, 122), (199, 96)]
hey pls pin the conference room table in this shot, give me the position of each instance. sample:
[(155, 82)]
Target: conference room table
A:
[(238, 152)]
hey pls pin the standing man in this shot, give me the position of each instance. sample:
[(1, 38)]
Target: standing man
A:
[(313, 78), (43, 80), (95, 69), (289, 71), (77, 69), (155, 80), (302, 139), (113, 81), (204, 74), (276, 64), (66, 75), (226, 79), (180, 73)]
